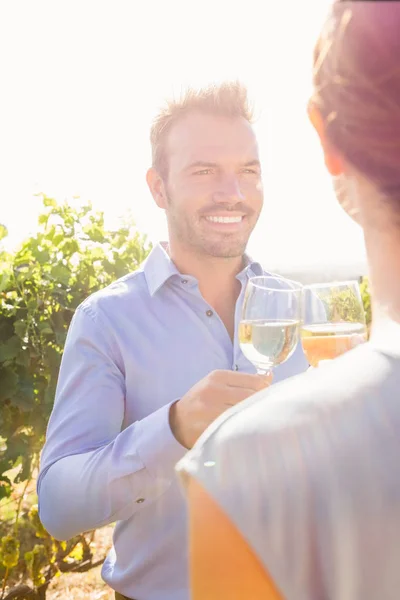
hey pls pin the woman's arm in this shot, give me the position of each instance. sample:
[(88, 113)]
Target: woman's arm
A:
[(222, 565)]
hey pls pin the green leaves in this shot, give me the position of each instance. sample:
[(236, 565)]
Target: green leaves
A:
[(20, 328), (41, 285), (95, 233), (10, 349), (5, 276), (69, 247), (345, 305), (61, 274), (49, 202), (365, 294), (40, 531), (37, 560), (24, 397), (3, 231), (5, 486), (8, 385), (9, 551)]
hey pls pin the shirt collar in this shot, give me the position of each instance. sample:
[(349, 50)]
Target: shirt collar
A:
[(159, 268), (251, 269)]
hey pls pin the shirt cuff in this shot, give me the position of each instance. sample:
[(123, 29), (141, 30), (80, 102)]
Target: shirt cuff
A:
[(157, 446)]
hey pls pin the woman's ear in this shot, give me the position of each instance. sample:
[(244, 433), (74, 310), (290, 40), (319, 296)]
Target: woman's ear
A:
[(347, 194), (344, 185), (333, 160)]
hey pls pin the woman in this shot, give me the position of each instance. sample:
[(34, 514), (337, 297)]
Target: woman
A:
[(295, 493)]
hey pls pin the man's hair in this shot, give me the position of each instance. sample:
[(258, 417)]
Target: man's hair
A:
[(228, 99)]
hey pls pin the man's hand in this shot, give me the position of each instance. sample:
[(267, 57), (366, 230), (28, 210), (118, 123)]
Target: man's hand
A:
[(208, 399)]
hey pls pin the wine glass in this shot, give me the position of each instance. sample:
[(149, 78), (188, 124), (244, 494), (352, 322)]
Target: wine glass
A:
[(270, 323), (333, 320)]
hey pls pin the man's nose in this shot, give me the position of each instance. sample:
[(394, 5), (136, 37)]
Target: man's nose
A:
[(228, 191)]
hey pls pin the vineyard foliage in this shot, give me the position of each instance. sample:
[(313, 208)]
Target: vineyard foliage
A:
[(72, 255)]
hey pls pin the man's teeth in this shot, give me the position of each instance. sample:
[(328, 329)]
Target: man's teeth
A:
[(224, 219)]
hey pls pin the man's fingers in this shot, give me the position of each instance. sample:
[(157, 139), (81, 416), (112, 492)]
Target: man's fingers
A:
[(268, 378), (234, 395), (253, 382), (234, 379)]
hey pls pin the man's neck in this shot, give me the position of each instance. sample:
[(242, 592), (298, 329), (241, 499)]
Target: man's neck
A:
[(216, 276)]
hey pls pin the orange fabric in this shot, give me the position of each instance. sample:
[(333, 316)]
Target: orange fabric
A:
[(222, 565)]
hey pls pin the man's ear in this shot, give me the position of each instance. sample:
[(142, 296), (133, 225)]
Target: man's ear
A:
[(333, 160), (157, 187)]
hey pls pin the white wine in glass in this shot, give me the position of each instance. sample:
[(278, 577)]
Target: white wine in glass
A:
[(334, 321), (269, 329)]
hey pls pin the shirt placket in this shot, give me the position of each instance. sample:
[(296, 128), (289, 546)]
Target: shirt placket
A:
[(211, 320)]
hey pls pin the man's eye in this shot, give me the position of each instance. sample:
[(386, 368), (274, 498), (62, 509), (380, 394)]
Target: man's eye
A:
[(250, 171), (203, 172)]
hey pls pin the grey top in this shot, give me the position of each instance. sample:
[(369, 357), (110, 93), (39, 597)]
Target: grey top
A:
[(309, 473)]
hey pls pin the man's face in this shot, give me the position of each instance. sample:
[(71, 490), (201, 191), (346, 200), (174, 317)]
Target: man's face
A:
[(213, 187)]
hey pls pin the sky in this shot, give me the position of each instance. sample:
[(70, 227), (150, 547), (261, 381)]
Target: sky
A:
[(82, 80)]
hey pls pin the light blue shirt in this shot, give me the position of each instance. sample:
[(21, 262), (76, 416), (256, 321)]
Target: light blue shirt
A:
[(132, 350)]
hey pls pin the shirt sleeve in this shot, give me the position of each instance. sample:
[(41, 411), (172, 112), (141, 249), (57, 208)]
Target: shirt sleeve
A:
[(92, 472)]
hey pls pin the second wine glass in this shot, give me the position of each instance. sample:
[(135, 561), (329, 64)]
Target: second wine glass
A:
[(270, 324), (334, 320)]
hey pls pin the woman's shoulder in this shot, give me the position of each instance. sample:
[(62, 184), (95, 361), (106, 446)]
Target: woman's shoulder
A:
[(300, 405), (294, 462)]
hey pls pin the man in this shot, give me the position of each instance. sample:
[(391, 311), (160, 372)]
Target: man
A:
[(153, 359)]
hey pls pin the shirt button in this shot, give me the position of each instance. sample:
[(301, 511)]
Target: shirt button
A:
[(140, 501), (235, 368), (184, 281), (209, 313)]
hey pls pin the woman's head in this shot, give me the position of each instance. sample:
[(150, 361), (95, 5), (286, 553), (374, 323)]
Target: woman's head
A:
[(356, 102)]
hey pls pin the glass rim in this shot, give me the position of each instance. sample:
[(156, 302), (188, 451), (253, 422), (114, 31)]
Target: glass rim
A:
[(330, 284), (298, 286)]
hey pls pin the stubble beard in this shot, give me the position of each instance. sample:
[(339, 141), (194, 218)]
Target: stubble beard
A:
[(190, 236)]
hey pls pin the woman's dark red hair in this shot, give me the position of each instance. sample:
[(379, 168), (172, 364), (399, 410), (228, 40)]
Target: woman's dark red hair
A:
[(357, 89)]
